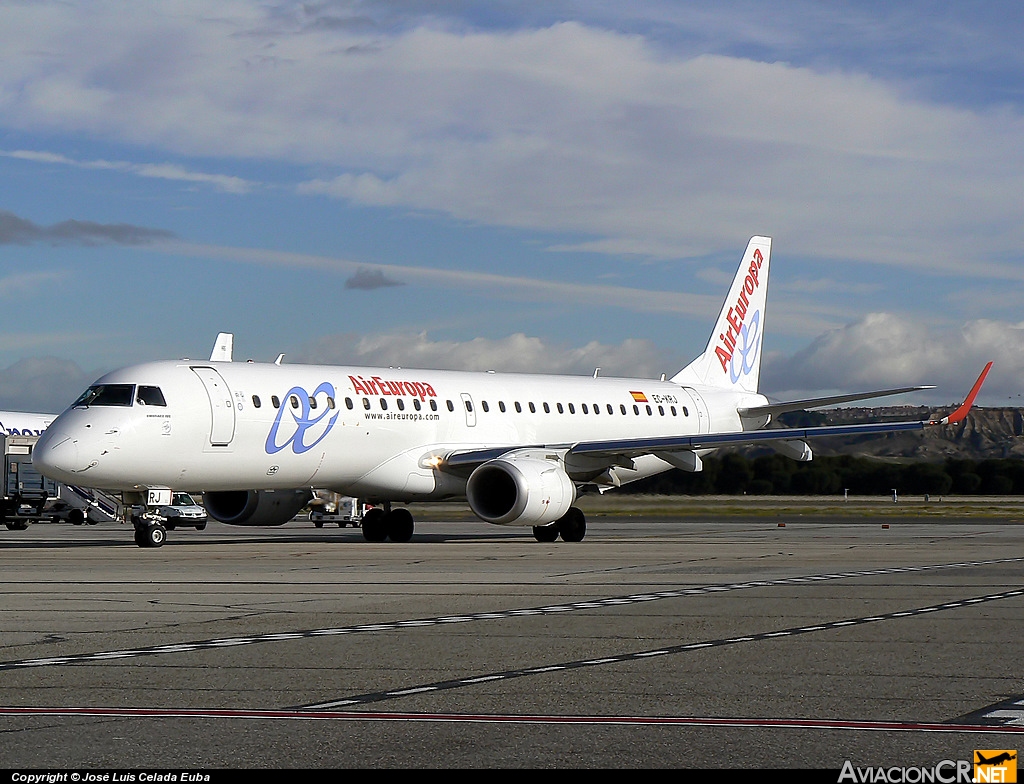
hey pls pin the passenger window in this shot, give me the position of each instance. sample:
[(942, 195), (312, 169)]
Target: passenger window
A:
[(451, 405), (151, 396), (469, 406), (686, 411), (312, 402), (416, 403), (519, 408), (401, 404), (636, 409), (276, 401), (348, 403), (485, 406), (256, 401), (584, 407), (433, 405), (547, 409), (294, 400), (559, 407), (610, 409), (533, 408), (661, 410), (673, 410), (501, 406), (622, 407), (366, 403), (383, 404), (330, 402), (648, 410)]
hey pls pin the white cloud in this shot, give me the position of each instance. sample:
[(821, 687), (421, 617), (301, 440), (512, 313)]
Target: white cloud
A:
[(516, 353), (566, 128), (884, 350), (163, 171)]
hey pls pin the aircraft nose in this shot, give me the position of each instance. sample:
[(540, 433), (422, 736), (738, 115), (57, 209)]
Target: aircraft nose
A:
[(56, 456)]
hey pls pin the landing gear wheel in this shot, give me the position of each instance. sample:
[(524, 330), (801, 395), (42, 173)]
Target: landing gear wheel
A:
[(545, 533), (375, 528), (201, 526), (572, 525), (151, 535), (76, 517), (156, 535), (318, 523), (400, 525)]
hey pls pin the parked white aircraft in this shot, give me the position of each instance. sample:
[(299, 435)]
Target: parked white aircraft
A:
[(255, 437), (21, 423)]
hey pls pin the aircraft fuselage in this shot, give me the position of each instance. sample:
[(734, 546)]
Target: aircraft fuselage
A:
[(370, 432)]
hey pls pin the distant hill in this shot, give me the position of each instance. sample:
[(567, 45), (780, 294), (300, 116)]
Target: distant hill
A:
[(986, 433)]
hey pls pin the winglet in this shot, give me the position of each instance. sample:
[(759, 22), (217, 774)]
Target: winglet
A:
[(961, 413)]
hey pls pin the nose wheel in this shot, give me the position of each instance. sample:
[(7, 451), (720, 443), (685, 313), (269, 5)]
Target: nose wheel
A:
[(149, 533)]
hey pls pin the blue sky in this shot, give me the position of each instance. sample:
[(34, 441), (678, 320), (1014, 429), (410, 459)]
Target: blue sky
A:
[(511, 186)]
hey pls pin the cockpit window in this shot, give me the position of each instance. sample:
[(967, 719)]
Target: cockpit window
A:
[(151, 396), (106, 395)]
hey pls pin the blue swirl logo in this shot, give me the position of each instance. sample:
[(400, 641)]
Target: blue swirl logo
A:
[(747, 347), (302, 419)]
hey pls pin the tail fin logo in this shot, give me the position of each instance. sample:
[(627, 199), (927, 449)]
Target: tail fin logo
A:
[(739, 329), (746, 352)]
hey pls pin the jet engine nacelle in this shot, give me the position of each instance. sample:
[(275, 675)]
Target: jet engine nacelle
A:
[(520, 491), (256, 507)]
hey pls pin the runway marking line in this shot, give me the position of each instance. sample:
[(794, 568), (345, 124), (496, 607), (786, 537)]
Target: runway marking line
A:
[(583, 604), (483, 718), (457, 683)]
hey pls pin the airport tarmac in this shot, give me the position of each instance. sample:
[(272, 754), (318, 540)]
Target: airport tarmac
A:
[(656, 642)]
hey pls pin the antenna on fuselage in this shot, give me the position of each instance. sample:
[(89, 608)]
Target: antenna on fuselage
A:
[(279, 360)]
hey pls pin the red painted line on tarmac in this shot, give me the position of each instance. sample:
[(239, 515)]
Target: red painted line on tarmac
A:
[(483, 718)]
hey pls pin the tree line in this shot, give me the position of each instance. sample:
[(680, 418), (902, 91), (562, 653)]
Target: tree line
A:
[(773, 474)]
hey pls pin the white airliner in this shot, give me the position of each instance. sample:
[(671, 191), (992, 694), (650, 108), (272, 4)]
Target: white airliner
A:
[(21, 423), (256, 437)]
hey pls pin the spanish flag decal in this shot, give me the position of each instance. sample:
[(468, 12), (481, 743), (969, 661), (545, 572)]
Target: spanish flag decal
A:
[(639, 397)]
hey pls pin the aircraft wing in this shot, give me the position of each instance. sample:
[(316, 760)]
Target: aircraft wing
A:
[(819, 402), (642, 446), (617, 450)]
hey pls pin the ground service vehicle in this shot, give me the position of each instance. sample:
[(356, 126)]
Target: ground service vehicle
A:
[(23, 490)]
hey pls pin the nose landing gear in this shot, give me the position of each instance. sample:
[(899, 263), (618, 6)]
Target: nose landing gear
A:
[(148, 532)]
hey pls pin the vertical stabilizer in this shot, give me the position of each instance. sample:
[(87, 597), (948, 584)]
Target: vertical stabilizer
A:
[(223, 347), (732, 359)]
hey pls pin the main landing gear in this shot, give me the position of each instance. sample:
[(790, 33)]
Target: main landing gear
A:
[(380, 524), (572, 527)]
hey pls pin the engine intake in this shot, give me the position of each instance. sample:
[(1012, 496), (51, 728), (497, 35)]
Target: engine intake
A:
[(520, 491), (255, 507)]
